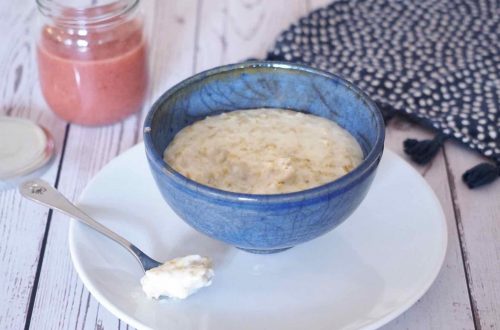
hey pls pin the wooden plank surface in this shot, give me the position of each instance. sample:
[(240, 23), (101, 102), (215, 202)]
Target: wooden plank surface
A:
[(173, 38), (478, 219), (190, 36), (233, 31), (22, 224)]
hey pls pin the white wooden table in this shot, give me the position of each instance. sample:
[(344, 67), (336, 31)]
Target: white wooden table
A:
[(39, 288)]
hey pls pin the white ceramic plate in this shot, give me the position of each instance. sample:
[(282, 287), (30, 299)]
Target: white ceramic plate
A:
[(361, 275)]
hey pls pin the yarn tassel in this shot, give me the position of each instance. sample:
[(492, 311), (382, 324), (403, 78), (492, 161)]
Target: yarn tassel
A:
[(422, 152), (480, 175), (388, 112), (275, 57)]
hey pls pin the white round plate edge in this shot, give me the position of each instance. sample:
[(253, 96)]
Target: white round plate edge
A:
[(375, 325), (437, 267), (93, 290), (79, 267)]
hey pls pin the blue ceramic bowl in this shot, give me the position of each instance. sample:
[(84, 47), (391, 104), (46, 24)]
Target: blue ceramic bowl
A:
[(264, 223)]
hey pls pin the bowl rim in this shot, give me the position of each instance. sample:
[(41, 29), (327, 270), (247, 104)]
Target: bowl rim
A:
[(337, 185)]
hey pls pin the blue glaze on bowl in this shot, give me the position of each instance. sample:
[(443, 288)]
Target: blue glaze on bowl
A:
[(264, 223)]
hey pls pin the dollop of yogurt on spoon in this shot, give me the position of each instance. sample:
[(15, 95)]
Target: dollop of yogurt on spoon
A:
[(178, 278)]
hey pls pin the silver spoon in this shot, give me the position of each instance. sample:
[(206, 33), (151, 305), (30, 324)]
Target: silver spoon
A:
[(43, 193)]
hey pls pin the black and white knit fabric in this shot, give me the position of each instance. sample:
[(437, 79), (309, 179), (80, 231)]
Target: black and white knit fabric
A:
[(434, 61)]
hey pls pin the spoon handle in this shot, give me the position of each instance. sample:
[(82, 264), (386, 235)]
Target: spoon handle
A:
[(43, 193)]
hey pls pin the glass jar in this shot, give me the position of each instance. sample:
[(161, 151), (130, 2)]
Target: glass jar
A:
[(92, 60)]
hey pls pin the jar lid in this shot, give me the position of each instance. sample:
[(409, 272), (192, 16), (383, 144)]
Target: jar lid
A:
[(25, 148)]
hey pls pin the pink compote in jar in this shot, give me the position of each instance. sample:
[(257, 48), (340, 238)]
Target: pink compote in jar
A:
[(92, 59)]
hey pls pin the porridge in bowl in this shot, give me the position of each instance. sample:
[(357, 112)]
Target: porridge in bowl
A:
[(267, 220), (263, 151)]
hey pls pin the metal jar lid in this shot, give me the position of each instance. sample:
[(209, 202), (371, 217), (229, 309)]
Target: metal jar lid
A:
[(25, 148)]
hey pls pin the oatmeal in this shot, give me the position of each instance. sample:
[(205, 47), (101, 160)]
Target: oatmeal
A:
[(178, 278), (263, 151)]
